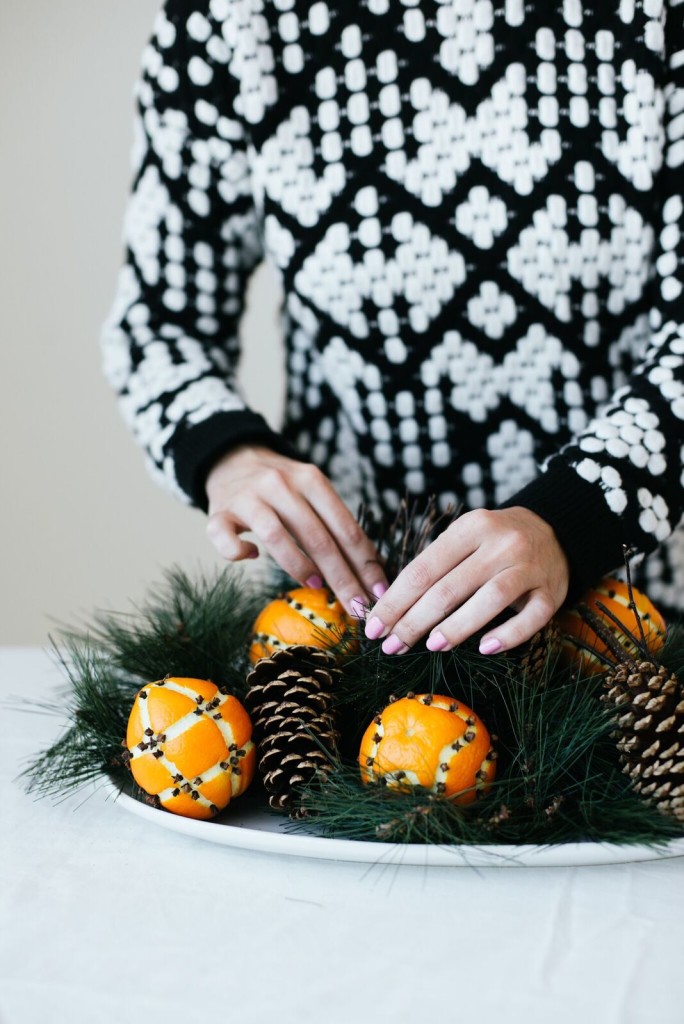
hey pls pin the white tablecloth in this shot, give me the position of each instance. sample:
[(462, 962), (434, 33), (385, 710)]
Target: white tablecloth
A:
[(106, 918)]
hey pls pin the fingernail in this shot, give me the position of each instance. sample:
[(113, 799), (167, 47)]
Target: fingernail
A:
[(315, 582), (436, 641), (393, 645), (490, 646), (253, 554), (358, 607), (379, 589), (375, 628)]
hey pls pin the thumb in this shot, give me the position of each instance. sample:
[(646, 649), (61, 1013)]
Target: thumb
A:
[(222, 531)]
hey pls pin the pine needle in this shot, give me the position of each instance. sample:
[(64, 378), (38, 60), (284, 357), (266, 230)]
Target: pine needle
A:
[(558, 774), (193, 628)]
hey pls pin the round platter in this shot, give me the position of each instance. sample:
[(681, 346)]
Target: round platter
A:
[(252, 828)]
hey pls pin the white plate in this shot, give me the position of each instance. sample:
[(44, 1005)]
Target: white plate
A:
[(255, 829)]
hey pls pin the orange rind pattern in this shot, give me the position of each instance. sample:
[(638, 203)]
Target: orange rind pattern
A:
[(305, 615), (431, 741), (190, 746)]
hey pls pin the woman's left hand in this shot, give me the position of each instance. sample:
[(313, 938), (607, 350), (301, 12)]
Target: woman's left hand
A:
[(484, 563)]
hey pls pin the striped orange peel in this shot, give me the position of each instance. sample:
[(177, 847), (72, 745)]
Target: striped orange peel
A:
[(431, 741), (613, 594), (305, 615), (190, 746)]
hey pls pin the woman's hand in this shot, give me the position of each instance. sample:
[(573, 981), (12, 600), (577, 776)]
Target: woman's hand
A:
[(294, 511), (482, 564)]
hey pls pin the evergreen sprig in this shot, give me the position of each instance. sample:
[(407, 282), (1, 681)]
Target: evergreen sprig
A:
[(558, 777), (558, 780), (96, 706), (186, 627)]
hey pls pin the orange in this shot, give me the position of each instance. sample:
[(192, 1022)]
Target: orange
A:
[(614, 594), (434, 742), (305, 615), (190, 746)]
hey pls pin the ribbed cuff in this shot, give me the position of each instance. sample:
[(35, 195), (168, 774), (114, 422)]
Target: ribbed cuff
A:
[(198, 447), (589, 533)]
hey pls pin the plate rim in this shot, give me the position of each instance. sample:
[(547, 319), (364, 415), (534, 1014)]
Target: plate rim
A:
[(292, 844)]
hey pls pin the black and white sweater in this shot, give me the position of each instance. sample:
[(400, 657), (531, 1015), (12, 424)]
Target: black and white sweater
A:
[(475, 209)]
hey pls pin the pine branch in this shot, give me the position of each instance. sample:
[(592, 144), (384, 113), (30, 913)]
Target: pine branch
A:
[(558, 776), (193, 628), (97, 708), (559, 780)]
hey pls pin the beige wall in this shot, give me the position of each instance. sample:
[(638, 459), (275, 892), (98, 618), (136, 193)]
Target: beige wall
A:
[(81, 524)]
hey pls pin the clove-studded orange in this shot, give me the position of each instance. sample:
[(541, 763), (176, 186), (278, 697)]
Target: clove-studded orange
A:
[(190, 746), (306, 615), (426, 740), (614, 595)]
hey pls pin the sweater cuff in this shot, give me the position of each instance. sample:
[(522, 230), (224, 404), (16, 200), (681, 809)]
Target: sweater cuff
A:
[(197, 448), (589, 533)]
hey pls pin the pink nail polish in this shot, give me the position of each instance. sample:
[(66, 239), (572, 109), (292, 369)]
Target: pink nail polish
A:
[(375, 628), (490, 646), (358, 607), (315, 582), (436, 641), (393, 645), (379, 589)]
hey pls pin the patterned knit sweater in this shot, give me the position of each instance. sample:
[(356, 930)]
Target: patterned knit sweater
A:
[(475, 210)]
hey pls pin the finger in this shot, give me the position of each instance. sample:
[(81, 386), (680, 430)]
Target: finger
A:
[(359, 551), (276, 538), (314, 538), (493, 597), (450, 549), (297, 539), (533, 616), (438, 602), (222, 531)]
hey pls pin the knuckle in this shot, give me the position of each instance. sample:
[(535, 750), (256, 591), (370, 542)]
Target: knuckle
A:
[(516, 544), (212, 524), (479, 518), (309, 473), (390, 612), (268, 529), (217, 524), (446, 598), (342, 587), (417, 575), (221, 534), (318, 542), (546, 607), (500, 592), (271, 535), (273, 480), (352, 536), (408, 631), (243, 503)]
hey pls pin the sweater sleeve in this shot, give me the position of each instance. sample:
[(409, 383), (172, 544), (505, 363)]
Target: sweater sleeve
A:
[(192, 239), (620, 481)]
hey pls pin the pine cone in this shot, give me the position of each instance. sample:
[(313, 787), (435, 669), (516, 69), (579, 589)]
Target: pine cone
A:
[(649, 704), (290, 701), (534, 655)]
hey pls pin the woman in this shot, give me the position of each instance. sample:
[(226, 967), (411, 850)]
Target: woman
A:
[(475, 211)]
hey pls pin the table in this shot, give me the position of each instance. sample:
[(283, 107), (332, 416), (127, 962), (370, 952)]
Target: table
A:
[(105, 918)]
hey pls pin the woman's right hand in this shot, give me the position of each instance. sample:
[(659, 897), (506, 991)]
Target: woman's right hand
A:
[(295, 513)]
